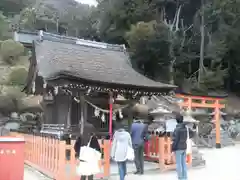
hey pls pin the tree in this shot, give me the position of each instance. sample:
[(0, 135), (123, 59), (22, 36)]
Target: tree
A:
[(222, 17), (10, 99), (149, 47), (202, 30), (176, 41), (160, 45), (11, 7), (18, 77), (116, 18), (3, 26), (64, 17), (10, 51)]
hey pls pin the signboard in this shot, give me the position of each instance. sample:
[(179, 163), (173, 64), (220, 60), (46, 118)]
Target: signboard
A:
[(171, 125)]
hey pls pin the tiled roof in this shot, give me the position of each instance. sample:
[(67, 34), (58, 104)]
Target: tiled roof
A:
[(58, 56)]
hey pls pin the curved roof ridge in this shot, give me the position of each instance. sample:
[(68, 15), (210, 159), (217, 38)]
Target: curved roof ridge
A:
[(77, 41)]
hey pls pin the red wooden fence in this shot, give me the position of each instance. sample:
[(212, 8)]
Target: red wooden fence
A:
[(159, 150), (57, 159)]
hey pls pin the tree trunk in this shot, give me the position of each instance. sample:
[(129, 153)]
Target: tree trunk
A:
[(15, 102), (171, 73), (189, 66), (57, 25), (173, 60), (46, 27), (76, 32), (202, 30)]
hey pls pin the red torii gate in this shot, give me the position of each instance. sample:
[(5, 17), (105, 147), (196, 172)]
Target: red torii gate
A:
[(191, 102), (159, 148)]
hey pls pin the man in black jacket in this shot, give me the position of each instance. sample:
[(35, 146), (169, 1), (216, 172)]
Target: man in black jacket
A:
[(179, 147)]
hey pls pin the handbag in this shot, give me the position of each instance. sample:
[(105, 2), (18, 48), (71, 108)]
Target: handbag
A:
[(89, 161), (89, 154), (87, 168), (189, 143), (130, 154)]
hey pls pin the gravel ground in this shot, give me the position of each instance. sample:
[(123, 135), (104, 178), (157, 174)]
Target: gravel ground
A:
[(221, 164)]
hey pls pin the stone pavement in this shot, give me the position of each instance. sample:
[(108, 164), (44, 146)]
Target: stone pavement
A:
[(31, 174), (221, 164)]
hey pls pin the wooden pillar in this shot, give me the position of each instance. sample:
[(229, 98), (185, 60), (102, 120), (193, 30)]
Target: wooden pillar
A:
[(168, 149), (189, 104), (161, 154), (107, 147), (69, 112), (82, 119), (217, 124), (110, 114)]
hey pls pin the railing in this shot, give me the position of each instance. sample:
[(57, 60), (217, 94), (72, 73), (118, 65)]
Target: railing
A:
[(56, 158), (158, 149)]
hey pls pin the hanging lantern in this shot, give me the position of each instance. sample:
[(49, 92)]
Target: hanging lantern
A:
[(96, 112), (103, 118)]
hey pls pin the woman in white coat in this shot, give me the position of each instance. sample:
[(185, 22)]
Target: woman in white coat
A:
[(122, 150)]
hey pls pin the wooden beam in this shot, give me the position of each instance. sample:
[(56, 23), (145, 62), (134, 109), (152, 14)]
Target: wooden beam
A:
[(201, 105), (198, 97)]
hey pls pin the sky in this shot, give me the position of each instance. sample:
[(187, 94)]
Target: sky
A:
[(90, 2)]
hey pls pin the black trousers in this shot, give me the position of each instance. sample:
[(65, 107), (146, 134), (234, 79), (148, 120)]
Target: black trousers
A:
[(139, 158), (86, 177)]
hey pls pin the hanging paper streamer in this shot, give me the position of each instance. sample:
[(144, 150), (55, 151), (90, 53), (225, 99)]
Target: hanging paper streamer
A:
[(96, 112), (33, 87), (55, 90), (96, 107), (77, 100), (44, 85), (114, 116), (120, 114), (103, 118)]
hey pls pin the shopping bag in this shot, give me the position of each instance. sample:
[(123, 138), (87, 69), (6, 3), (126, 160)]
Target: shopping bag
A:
[(130, 154), (89, 154), (87, 168), (189, 143)]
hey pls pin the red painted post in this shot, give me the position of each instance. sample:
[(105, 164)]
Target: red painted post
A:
[(217, 124), (110, 115)]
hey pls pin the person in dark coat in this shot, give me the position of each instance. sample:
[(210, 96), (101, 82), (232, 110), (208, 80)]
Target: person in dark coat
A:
[(138, 134), (83, 140), (179, 146)]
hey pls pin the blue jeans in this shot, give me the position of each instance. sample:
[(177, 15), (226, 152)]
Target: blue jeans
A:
[(181, 164), (122, 169)]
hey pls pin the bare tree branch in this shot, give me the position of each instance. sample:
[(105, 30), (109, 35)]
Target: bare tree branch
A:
[(190, 27), (177, 21)]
